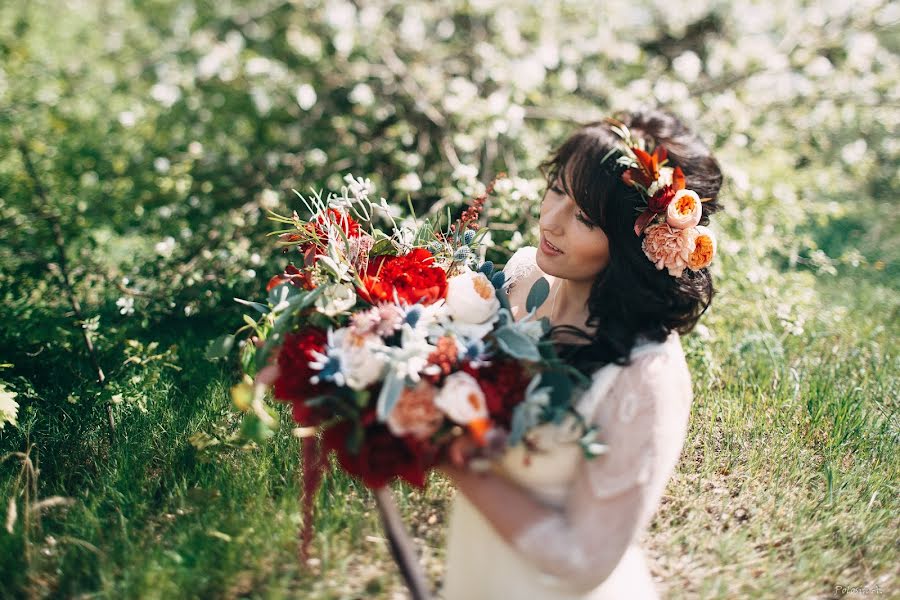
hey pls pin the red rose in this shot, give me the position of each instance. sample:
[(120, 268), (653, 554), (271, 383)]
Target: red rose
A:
[(381, 457), (294, 372), (413, 277), (343, 220), (503, 384)]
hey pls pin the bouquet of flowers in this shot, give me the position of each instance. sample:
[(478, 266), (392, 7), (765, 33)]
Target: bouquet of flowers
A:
[(390, 345)]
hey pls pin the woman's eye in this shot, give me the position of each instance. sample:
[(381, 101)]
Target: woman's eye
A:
[(581, 217)]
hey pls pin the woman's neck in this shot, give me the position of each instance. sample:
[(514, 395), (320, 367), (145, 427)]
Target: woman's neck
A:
[(568, 304)]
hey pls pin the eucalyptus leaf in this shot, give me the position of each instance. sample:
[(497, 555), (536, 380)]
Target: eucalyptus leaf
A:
[(516, 344), (262, 308), (390, 393), (537, 295), (281, 293), (274, 340)]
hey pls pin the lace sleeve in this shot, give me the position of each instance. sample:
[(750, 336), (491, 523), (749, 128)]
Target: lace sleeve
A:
[(643, 417), (519, 265)]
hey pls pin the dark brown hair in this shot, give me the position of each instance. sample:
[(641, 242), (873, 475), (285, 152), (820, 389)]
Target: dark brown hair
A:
[(630, 298)]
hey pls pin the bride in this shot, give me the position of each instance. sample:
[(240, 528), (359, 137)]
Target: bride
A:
[(545, 522)]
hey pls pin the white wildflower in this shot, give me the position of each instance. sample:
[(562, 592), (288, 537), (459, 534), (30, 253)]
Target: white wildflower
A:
[(126, 305), (9, 408)]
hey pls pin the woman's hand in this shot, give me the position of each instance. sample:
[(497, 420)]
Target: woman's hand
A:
[(466, 453), (460, 451)]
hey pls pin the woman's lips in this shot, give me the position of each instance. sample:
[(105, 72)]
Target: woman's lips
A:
[(548, 248)]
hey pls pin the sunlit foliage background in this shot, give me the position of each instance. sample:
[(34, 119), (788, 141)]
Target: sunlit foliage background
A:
[(160, 133)]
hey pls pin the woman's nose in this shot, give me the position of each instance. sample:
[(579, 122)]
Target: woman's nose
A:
[(551, 218)]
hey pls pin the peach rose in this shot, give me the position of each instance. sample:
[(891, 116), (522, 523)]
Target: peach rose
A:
[(462, 399), (704, 248), (668, 247), (684, 210), (416, 413)]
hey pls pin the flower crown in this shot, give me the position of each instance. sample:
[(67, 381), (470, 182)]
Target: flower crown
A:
[(673, 237)]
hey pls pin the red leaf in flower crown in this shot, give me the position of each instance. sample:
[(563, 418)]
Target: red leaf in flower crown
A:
[(381, 457), (678, 181), (412, 277), (643, 221), (660, 154), (660, 200), (647, 170)]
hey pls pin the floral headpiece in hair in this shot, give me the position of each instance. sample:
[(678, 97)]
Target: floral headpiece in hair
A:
[(673, 237)]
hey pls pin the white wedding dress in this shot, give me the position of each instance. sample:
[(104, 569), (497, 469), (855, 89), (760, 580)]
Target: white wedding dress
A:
[(588, 548)]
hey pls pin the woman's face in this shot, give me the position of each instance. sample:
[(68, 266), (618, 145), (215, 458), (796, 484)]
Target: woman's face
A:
[(571, 247)]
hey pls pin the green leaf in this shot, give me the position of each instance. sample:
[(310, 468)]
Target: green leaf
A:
[(561, 387), (503, 297), (383, 247), (538, 294), (220, 347), (253, 428), (516, 344)]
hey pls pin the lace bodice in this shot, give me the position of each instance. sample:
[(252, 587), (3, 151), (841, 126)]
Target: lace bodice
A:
[(602, 504)]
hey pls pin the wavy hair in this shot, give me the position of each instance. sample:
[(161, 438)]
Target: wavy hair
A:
[(630, 298)]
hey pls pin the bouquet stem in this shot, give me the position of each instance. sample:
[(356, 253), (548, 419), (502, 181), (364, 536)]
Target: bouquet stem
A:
[(401, 545)]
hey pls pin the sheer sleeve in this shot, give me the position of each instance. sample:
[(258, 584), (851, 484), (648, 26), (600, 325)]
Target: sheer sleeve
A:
[(643, 417), (520, 265)]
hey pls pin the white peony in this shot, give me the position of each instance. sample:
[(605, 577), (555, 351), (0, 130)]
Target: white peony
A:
[(471, 298), (362, 358), (351, 360)]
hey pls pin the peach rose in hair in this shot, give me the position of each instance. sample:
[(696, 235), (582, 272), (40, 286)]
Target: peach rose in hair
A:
[(685, 210), (668, 247), (704, 248)]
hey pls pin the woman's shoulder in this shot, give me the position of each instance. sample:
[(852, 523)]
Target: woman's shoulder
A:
[(669, 347), (659, 370), (654, 368)]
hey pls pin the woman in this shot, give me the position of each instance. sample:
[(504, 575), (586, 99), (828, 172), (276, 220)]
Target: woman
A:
[(547, 522)]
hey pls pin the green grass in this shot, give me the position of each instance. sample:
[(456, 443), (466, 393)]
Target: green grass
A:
[(787, 485)]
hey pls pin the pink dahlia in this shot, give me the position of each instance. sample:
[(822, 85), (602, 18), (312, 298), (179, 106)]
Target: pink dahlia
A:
[(668, 247)]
